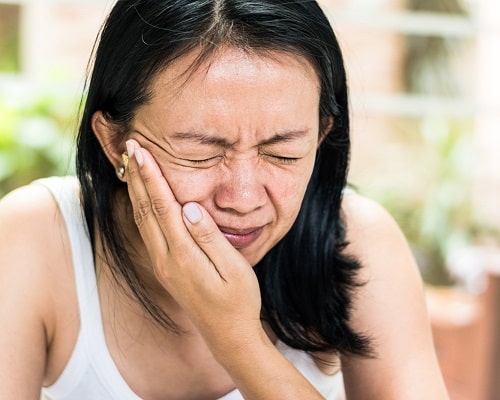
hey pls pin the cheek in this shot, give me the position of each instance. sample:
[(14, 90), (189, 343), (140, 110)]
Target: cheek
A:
[(288, 192), (192, 186)]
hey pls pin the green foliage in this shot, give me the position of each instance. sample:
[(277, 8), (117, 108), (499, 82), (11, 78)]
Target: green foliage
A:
[(9, 60), (433, 203), (36, 138), (9, 38)]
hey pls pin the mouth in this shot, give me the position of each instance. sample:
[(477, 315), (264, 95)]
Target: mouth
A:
[(241, 238)]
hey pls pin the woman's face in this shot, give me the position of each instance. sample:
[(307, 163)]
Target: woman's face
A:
[(239, 136)]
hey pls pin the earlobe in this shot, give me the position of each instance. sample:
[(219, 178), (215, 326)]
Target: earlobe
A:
[(107, 134)]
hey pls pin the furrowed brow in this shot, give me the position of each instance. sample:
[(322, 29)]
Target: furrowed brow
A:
[(201, 138), (204, 139), (286, 136)]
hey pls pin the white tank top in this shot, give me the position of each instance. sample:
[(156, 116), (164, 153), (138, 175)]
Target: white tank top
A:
[(91, 373)]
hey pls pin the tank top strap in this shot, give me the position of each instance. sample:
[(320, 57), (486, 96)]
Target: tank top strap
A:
[(65, 191), (91, 338)]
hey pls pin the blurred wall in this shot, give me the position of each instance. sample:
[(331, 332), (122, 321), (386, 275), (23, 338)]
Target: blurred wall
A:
[(390, 151), (487, 188)]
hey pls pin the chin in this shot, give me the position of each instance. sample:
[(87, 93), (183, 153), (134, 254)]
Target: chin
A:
[(252, 259), (255, 256)]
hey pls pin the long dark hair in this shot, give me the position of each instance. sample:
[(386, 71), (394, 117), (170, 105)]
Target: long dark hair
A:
[(306, 281)]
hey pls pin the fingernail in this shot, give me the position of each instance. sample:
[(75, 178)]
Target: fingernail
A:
[(192, 212), (130, 148), (139, 157)]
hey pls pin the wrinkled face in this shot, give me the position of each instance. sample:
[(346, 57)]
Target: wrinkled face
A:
[(239, 136)]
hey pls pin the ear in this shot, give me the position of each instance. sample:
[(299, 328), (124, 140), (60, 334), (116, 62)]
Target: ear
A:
[(108, 134), (325, 126)]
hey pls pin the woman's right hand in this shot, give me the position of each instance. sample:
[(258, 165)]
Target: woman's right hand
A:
[(192, 259), (213, 283)]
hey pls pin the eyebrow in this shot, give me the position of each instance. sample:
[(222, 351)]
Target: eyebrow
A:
[(201, 138), (286, 136), (205, 139)]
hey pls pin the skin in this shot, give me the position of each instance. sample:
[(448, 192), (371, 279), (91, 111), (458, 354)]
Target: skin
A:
[(197, 229), (239, 139)]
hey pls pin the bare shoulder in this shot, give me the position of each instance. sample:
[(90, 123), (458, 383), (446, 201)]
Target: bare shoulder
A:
[(31, 246), (29, 216), (375, 238), (30, 224), (378, 243), (34, 239), (365, 217), (27, 201), (390, 308)]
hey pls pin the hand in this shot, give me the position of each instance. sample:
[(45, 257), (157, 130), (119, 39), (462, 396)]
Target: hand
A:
[(192, 259), (212, 281)]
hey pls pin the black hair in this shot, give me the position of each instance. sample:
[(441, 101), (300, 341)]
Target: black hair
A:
[(306, 281)]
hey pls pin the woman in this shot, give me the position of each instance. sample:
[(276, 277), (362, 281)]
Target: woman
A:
[(219, 254)]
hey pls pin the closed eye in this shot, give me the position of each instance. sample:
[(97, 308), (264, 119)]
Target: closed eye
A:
[(282, 160), (199, 161), (210, 160)]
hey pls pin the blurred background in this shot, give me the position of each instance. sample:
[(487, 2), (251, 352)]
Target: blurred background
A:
[(425, 94)]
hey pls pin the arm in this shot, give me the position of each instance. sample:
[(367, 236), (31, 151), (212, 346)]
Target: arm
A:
[(212, 282), (390, 307), (23, 302)]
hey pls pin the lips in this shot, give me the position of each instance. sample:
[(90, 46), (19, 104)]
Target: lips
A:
[(241, 238)]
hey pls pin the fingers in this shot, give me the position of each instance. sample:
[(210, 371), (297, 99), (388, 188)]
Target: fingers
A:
[(158, 216), (237, 278), (161, 218), (155, 202), (148, 183), (190, 256), (211, 240), (148, 225)]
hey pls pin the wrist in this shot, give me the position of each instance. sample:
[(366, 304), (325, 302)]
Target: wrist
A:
[(260, 371), (233, 347)]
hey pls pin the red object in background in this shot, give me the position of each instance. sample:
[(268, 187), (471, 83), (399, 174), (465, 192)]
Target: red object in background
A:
[(466, 331)]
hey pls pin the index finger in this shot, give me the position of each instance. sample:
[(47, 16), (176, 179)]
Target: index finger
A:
[(163, 206), (144, 217)]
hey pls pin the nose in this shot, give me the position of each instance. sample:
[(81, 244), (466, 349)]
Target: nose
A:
[(242, 188)]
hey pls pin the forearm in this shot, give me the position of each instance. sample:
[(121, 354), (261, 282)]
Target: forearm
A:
[(212, 282), (260, 371)]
